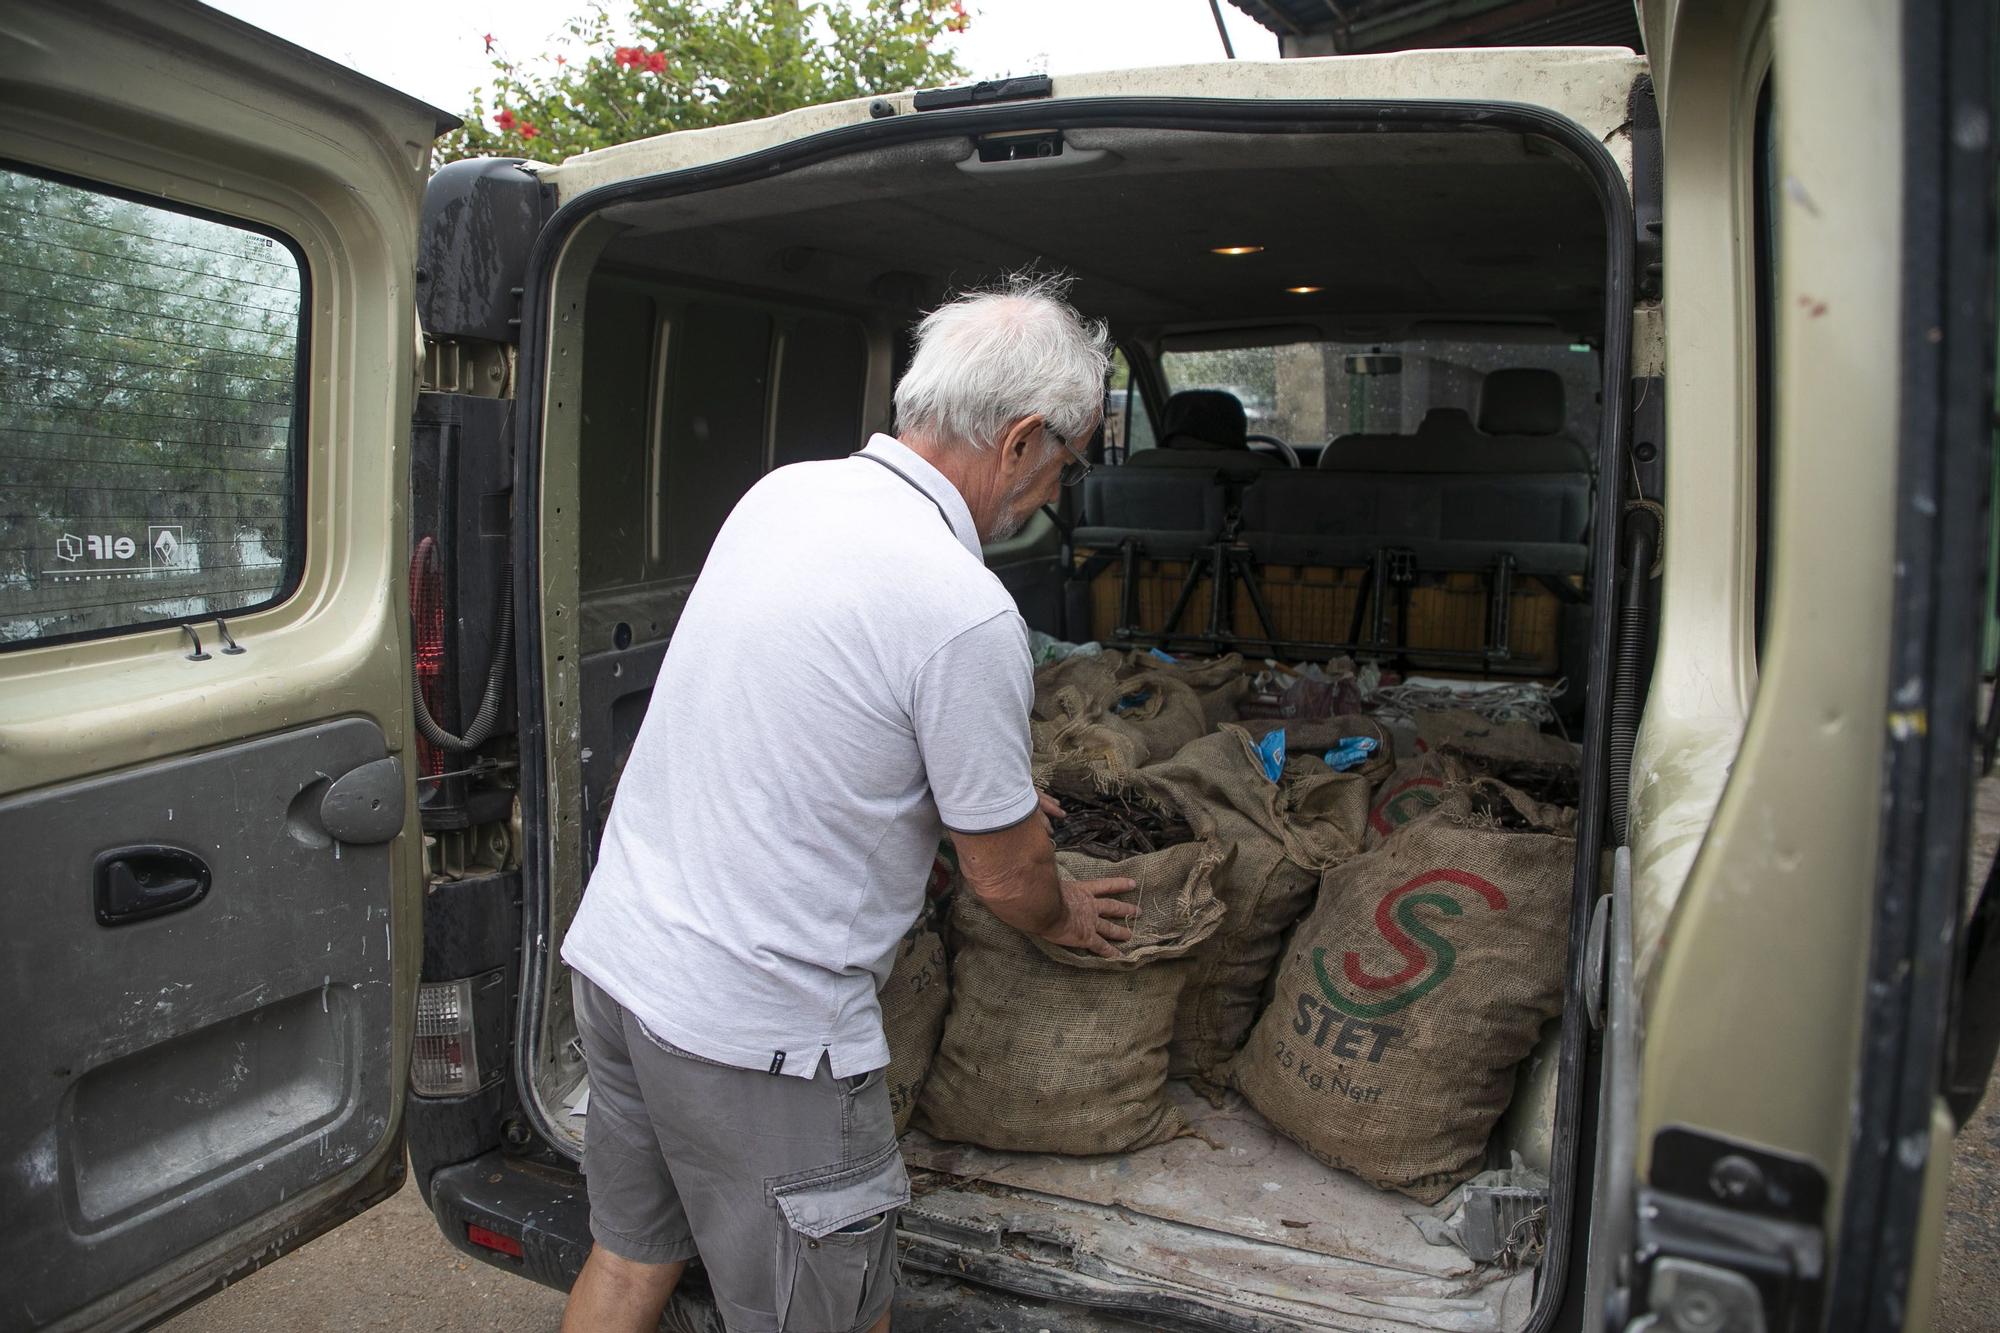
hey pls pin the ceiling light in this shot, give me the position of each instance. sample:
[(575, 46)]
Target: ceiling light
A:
[(1304, 291), (1237, 250)]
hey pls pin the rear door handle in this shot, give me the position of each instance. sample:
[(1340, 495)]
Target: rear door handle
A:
[(133, 883)]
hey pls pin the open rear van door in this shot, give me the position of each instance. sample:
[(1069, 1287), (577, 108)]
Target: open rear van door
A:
[(1775, 1144), (207, 343)]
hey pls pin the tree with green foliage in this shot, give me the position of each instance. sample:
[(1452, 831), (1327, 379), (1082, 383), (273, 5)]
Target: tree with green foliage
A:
[(685, 64)]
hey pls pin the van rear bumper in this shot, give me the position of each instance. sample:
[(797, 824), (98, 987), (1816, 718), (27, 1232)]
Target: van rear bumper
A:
[(546, 1210)]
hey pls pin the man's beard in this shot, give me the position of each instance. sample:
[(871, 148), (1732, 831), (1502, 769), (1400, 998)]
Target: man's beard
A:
[(1011, 519)]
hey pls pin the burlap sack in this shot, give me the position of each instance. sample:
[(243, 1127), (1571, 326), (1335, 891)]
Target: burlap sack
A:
[(1219, 682), (1519, 754), (1416, 785), (1056, 1050), (1467, 733), (914, 1000), (1107, 740), (1279, 836), (1418, 982), (1091, 676)]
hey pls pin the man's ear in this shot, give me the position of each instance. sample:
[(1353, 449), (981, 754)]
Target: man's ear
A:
[(1015, 441)]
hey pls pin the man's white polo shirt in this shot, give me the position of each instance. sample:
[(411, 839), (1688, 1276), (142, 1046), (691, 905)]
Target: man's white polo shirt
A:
[(847, 678)]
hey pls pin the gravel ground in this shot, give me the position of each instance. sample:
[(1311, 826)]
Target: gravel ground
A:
[(390, 1269), (387, 1269)]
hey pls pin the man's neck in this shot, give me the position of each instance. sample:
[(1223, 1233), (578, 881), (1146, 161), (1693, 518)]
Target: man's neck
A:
[(961, 468)]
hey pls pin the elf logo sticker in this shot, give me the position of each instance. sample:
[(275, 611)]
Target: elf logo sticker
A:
[(1401, 804), (1396, 920)]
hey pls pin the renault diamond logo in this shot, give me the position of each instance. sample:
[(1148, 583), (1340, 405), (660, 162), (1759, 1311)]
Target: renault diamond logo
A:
[(166, 546)]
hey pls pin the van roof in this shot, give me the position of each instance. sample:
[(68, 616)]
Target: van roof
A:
[(1589, 85)]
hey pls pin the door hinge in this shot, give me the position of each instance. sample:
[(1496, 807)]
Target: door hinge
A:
[(1729, 1239)]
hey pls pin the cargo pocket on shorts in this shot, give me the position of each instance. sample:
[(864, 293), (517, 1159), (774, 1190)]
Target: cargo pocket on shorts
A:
[(840, 1265)]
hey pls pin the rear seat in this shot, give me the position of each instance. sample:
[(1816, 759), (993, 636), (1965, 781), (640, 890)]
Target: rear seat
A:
[(1510, 497), (1135, 518), (1446, 522), (1164, 514), (1205, 429), (1455, 496)]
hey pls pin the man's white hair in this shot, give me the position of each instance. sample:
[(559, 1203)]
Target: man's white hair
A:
[(987, 358)]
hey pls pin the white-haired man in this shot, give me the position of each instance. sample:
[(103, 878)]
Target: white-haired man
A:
[(847, 681)]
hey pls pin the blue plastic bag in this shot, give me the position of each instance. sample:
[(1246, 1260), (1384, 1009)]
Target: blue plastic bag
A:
[(1271, 753), (1350, 752)]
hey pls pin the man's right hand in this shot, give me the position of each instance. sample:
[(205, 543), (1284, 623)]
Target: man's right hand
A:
[(1091, 915), (1013, 870)]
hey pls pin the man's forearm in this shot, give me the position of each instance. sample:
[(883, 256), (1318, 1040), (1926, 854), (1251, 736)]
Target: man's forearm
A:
[(1014, 873), (1028, 899)]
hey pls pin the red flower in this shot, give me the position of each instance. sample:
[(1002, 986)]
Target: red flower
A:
[(656, 62), (629, 57), (528, 131), (505, 120), (960, 20), (489, 43), (562, 60)]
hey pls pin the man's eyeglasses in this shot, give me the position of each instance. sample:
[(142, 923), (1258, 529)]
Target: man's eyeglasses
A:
[(1076, 469)]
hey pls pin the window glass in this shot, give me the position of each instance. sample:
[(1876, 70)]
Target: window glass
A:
[(149, 372), (1308, 393), (1126, 425)]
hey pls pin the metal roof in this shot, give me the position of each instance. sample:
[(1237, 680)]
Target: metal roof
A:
[(1327, 27)]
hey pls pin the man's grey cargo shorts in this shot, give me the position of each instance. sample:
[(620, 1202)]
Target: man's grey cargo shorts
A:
[(786, 1187)]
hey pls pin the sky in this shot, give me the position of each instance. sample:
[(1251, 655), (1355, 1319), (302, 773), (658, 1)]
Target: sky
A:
[(435, 50)]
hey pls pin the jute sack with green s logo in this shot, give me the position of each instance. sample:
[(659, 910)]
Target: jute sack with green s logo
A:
[(1420, 979), (1416, 786), (914, 1000)]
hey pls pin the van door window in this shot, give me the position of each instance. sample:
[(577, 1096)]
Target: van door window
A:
[(150, 372)]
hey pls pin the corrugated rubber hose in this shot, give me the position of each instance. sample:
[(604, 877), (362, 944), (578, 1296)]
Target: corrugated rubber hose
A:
[(488, 716), (1642, 533)]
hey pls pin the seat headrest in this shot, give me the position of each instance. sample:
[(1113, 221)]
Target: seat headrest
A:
[(1522, 401), (1448, 422), (1204, 419)]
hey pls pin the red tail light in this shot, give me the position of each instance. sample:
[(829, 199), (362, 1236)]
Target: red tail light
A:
[(427, 640), (493, 1240)]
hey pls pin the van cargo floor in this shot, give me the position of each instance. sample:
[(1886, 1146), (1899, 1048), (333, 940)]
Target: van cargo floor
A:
[(1234, 1215), (1234, 1174), (1229, 1227)]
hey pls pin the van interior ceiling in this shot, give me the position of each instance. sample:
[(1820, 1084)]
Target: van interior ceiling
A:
[(1460, 273)]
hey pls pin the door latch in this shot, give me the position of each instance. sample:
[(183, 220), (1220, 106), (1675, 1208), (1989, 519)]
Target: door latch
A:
[(133, 883)]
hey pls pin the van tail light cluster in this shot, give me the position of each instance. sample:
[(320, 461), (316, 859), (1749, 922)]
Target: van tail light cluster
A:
[(445, 1061), (427, 641)]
